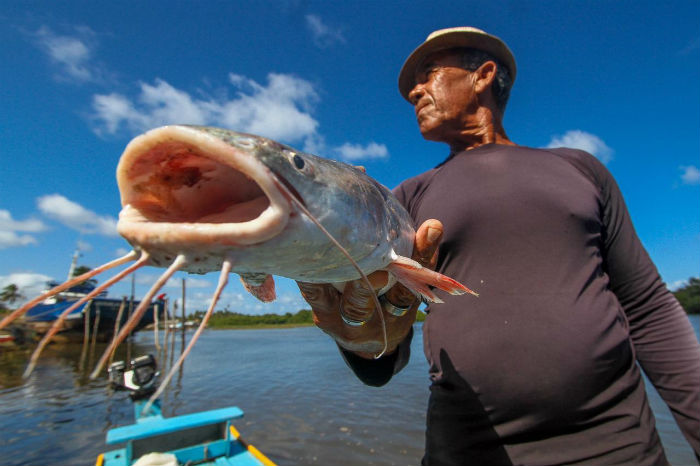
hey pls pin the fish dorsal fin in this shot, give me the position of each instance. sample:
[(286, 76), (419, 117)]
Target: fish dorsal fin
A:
[(419, 279)]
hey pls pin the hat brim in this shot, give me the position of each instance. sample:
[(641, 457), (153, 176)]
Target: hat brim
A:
[(454, 39)]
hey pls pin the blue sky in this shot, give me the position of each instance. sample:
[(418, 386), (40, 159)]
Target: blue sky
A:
[(79, 79)]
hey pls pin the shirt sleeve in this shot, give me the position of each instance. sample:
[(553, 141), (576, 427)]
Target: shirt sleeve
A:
[(664, 341), (378, 372)]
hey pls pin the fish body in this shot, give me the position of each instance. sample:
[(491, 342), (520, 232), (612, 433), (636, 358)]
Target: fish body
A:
[(212, 194), (201, 199)]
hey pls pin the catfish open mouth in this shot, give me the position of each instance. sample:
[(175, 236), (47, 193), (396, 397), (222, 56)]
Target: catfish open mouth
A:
[(180, 184)]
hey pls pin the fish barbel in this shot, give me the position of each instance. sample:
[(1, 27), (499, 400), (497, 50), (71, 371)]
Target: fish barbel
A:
[(202, 199)]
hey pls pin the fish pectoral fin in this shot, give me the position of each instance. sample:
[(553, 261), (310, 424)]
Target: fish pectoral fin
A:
[(418, 279), (260, 285)]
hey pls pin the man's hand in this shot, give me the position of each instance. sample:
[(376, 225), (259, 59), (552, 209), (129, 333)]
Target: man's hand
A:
[(356, 303)]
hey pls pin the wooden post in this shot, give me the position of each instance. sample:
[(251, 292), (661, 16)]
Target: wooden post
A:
[(156, 308), (95, 328), (166, 332), (117, 324), (183, 307), (86, 333), (131, 310)]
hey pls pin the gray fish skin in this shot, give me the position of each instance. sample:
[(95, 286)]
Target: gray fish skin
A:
[(171, 176)]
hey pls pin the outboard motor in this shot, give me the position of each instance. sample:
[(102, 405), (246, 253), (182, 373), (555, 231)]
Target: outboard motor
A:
[(138, 377)]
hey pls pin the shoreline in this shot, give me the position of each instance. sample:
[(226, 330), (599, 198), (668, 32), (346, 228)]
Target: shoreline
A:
[(259, 326)]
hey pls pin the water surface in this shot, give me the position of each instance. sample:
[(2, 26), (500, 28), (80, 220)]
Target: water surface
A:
[(303, 405)]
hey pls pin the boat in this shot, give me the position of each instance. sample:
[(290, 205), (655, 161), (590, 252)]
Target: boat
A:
[(206, 438), (101, 312)]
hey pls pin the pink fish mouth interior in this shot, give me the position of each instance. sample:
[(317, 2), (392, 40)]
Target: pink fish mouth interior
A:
[(179, 184)]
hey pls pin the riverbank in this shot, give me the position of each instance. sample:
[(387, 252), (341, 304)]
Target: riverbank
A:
[(260, 326)]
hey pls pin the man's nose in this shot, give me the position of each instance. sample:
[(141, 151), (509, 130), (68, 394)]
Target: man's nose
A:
[(416, 93)]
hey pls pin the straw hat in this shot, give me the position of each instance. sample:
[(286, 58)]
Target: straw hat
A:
[(442, 39)]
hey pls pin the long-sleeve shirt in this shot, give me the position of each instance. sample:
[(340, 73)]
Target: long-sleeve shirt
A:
[(544, 367)]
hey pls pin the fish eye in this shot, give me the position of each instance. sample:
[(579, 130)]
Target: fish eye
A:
[(298, 162)]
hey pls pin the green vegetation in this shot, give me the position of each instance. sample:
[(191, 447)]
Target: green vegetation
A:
[(81, 269), (8, 296), (689, 296), (227, 319)]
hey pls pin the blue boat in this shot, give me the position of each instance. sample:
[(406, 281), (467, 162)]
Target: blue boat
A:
[(103, 312), (203, 438)]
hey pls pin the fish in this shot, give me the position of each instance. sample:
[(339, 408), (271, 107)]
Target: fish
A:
[(202, 199)]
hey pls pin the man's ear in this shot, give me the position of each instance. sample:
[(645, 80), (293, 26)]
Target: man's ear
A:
[(485, 75)]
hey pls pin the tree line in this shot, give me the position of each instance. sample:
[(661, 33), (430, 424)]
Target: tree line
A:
[(688, 296), (223, 319)]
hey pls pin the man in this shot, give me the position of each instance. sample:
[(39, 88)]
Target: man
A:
[(542, 367)]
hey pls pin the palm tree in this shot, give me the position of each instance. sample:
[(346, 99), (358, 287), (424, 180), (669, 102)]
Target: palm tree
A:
[(81, 269), (10, 294)]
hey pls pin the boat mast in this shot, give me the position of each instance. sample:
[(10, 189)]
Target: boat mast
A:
[(74, 262)]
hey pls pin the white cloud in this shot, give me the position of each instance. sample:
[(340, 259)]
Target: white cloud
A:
[(691, 175), (30, 285), (577, 139), (354, 152), (71, 54), (8, 223), (278, 110), (677, 285), (322, 34), (174, 282), (9, 228), (84, 246), (10, 239), (75, 216)]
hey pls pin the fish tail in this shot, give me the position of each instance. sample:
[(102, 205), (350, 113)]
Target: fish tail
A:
[(418, 279)]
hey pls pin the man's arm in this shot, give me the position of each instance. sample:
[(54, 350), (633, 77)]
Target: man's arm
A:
[(664, 342), (360, 344)]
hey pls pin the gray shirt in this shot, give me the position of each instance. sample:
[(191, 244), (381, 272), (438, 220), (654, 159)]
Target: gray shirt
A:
[(542, 367)]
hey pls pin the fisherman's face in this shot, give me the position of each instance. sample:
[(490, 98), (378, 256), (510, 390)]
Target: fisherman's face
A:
[(443, 96)]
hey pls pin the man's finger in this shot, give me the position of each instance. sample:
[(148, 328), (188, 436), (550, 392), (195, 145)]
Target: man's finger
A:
[(426, 244), (357, 302)]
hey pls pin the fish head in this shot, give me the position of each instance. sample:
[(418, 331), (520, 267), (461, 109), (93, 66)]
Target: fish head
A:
[(200, 191)]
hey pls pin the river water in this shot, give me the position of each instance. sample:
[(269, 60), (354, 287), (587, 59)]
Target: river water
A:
[(303, 406)]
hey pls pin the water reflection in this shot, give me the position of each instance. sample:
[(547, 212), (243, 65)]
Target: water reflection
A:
[(303, 406)]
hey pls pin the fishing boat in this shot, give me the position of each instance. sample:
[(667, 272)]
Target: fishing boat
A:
[(101, 312), (206, 438)]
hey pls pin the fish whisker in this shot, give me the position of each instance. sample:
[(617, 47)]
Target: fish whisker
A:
[(377, 306), (58, 323), (223, 280), (67, 284)]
